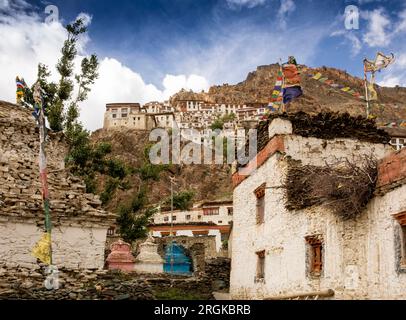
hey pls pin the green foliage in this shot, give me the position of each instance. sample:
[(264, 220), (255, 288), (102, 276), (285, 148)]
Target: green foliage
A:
[(220, 121), (150, 172), (133, 219), (61, 109), (90, 183), (109, 189), (116, 169), (218, 124), (229, 117), (181, 200), (80, 149)]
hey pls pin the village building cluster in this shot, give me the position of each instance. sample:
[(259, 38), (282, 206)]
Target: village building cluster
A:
[(207, 218), (185, 114)]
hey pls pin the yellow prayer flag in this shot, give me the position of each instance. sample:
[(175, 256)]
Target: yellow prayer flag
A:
[(42, 249), (372, 94), (346, 89), (317, 76)]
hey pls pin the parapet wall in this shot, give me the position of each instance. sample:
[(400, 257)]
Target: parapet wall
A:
[(80, 224)]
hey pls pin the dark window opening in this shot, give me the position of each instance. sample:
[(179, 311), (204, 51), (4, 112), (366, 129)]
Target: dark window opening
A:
[(230, 211), (401, 218), (403, 237), (211, 211), (260, 276), (315, 255), (260, 195)]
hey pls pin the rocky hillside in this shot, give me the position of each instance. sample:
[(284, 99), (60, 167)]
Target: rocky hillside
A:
[(317, 97), (207, 182)]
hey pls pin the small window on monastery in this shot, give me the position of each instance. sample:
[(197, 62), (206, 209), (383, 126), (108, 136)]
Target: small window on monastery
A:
[(315, 255), (173, 218), (188, 217), (401, 218), (166, 219), (230, 211), (211, 211), (199, 217), (260, 195), (220, 221), (114, 116), (111, 231), (403, 237), (260, 276)]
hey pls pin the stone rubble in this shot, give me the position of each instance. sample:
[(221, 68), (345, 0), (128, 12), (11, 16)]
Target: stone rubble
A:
[(20, 188)]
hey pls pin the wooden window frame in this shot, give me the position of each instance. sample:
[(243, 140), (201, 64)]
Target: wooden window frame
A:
[(260, 270), (401, 219), (213, 211), (260, 204), (315, 255)]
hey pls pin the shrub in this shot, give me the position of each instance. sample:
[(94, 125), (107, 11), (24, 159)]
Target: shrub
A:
[(109, 189), (182, 200)]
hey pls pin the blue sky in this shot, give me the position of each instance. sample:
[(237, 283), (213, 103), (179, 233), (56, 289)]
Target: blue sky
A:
[(162, 45)]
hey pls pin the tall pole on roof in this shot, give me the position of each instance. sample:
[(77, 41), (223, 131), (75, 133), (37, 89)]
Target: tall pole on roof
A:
[(366, 91), (171, 232), (283, 85)]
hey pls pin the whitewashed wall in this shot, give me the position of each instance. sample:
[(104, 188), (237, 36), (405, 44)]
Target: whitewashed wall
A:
[(358, 255), (73, 247)]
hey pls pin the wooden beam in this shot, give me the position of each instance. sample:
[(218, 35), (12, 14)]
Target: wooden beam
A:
[(323, 294)]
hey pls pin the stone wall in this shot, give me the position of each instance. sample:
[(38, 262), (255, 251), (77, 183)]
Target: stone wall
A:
[(23, 283), (79, 223)]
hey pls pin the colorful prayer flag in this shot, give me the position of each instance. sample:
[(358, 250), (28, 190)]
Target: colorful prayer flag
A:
[(42, 249), (317, 76)]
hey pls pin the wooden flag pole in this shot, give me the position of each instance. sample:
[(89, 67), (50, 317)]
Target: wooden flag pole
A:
[(366, 93)]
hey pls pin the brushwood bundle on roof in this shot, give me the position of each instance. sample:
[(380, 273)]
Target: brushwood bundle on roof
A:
[(344, 187), (330, 125)]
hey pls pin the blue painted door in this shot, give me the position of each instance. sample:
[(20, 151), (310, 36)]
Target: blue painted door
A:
[(176, 260)]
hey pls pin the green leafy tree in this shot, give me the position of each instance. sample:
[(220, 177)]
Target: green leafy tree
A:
[(133, 219), (61, 108), (181, 200)]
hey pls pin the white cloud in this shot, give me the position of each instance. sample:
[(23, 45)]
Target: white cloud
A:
[(286, 8), (378, 34), (237, 4), (401, 27), (395, 75), (26, 40), (351, 37), (86, 18)]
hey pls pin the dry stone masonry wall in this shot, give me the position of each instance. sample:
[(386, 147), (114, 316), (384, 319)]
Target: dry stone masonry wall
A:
[(80, 225)]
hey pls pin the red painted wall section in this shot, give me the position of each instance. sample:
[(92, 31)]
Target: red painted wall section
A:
[(274, 145), (392, 169)]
